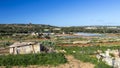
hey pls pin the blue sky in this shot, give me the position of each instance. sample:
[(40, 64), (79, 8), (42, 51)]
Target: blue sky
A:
[(61, 12)]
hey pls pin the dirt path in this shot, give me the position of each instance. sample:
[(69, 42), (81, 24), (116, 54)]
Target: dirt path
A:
[(74, 63)]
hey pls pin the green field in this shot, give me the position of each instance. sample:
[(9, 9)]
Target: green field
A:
[(33, 59)]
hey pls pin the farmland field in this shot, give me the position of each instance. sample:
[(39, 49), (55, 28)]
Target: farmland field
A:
[(33, 59)]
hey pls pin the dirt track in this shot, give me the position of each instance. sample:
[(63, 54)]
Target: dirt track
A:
[(74, 63)]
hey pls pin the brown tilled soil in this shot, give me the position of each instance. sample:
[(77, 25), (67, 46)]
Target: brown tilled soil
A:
[(72, 63), (89, 44)]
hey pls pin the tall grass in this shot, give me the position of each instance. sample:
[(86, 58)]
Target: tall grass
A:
[(32, 59)]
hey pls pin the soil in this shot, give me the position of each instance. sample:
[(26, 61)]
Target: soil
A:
[(89, 44)]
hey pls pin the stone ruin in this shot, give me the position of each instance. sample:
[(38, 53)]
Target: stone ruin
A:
[(110, 57)]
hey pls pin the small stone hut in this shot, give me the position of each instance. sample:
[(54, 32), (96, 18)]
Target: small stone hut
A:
[(27, 47)]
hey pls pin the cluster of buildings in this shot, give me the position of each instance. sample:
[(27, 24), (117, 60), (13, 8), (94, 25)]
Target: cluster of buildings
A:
[(101, 27)]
